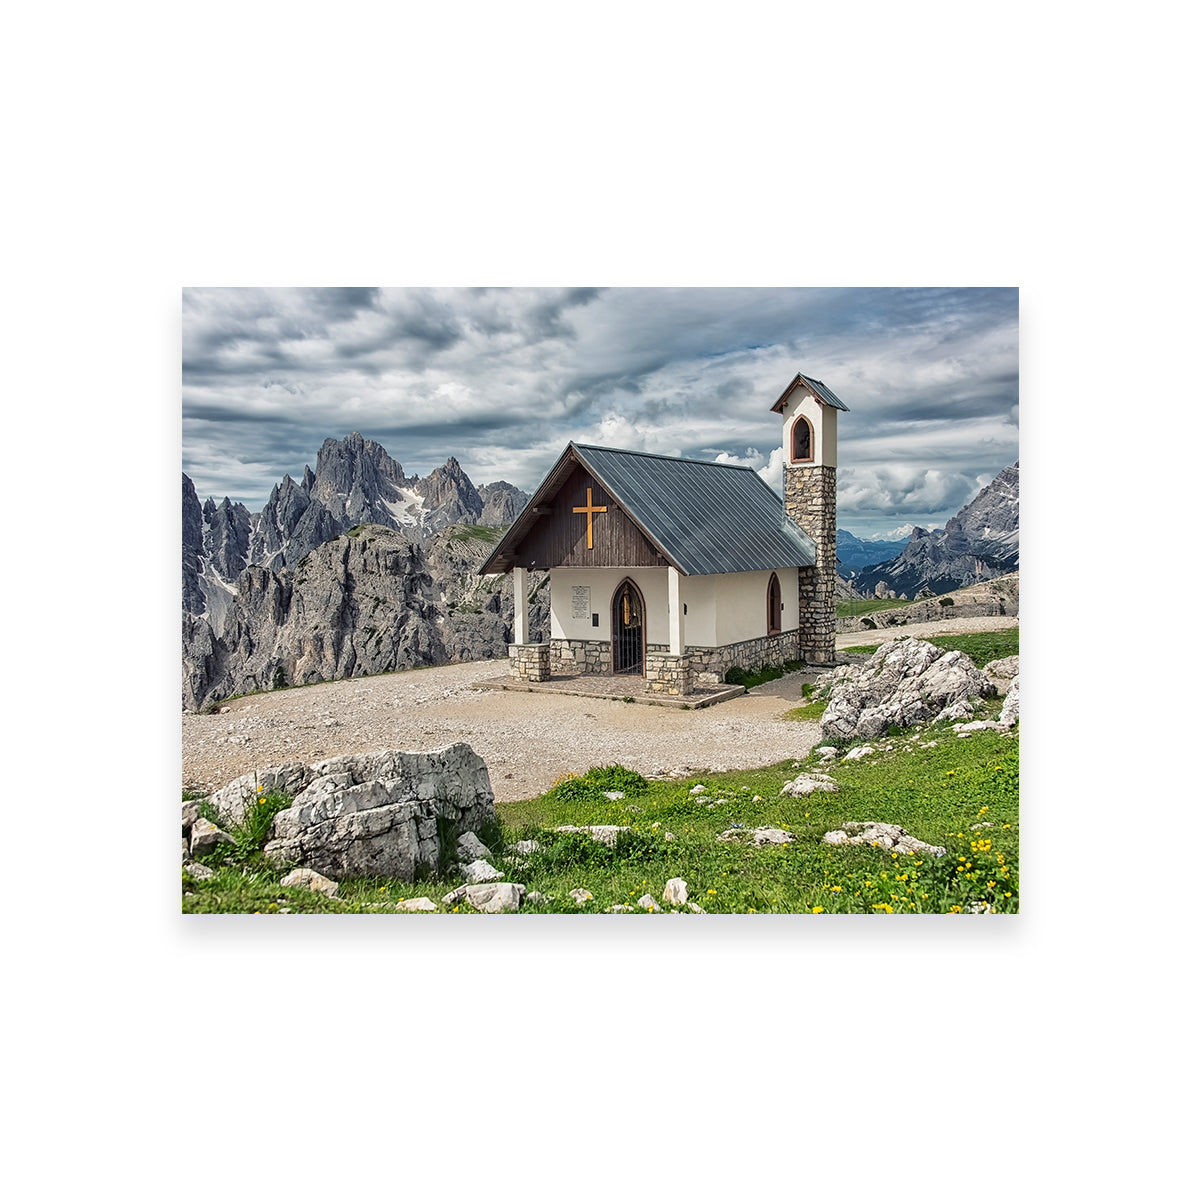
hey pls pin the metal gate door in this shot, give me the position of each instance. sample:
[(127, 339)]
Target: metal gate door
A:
[(628, 629)]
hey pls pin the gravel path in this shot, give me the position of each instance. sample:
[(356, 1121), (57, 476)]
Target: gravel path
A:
[(527, 739)]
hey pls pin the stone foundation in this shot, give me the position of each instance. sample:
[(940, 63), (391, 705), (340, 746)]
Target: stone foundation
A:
[(668, 674), (529, 661)]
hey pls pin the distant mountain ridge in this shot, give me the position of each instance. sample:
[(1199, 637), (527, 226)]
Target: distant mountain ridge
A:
[(356, 483), (853, 553), (981, 542)]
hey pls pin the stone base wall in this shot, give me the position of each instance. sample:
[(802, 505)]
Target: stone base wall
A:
[(709, 664), (529, 661), (668, 674), (579, 656)]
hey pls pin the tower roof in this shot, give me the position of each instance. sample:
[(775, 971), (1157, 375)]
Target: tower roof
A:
[(815, 386)]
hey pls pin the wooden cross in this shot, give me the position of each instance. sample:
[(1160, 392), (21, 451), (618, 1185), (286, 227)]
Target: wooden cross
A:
[(591, 508)]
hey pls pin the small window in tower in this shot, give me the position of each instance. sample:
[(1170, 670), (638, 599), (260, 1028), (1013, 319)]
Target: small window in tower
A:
[(774, 606), (802, 440)]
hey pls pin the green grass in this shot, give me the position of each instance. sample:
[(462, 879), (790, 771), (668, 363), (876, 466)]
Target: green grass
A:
[(980, 648), (755, 676), (479, 533), (806, 712), (936, 793), (860, 608)]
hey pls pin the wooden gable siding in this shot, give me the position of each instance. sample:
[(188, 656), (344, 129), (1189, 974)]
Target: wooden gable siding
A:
[(559, 539)]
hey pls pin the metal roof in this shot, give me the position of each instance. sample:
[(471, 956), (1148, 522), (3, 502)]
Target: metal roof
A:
[(818, 389), (707, 518)]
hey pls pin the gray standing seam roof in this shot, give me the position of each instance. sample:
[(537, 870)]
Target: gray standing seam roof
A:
[(709, 518)]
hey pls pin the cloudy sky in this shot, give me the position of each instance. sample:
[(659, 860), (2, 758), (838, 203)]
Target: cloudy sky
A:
[(503, 378)]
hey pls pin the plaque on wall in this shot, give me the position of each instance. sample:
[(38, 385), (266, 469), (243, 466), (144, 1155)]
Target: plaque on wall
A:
[(581, 603)]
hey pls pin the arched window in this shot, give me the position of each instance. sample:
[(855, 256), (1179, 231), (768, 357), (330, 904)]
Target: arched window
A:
[(802, 440), (774, 606)]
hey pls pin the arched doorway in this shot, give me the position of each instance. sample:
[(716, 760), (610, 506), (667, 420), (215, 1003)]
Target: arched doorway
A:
[(628, 630), (774, 606)]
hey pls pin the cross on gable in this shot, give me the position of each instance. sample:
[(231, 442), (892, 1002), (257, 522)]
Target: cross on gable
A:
[(591, 508)]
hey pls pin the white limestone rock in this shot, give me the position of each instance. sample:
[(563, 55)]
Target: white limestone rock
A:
[(417, 904), (1010, 714), (580, 895), (805, 784), (305, 877), (883, 836), (771, 837), (525, 848), (375, 814), (198, 870), (647, 902), (206, 836), (495, 897), (1002, 671), (905, 682), (675, 893), (470, 849), (859, 752), (480, 872)]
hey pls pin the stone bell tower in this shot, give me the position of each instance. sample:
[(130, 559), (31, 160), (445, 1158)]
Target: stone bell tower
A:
[(809, 410)]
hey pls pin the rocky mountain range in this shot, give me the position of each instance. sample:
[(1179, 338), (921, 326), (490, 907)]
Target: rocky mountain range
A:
[(854, 554), (355, 569), (980, 542)]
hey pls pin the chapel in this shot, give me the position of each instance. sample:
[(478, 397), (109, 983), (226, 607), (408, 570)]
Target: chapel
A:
[(671, 570)]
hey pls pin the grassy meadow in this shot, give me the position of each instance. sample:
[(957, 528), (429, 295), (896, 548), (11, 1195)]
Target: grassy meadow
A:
[(960, 793)]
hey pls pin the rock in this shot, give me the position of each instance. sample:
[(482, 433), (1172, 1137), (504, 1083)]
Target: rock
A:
[(1002, 671), (495, 897), (470, 848), (191, 811), (206, 836), (771, 837), (826, 752), (905, 682), (882, 835), (983, 825), (580, 895), (668, 836), (305, 877), (697, 790), (859, 752), (534, 898), (418, 904), (693, 907), (675, 893), (805, 784), (526, 848), (614, 795), (481, 872), (378, 814), (605, 834), (1010, 714), (198, 870), (620, 908), (647, 902)]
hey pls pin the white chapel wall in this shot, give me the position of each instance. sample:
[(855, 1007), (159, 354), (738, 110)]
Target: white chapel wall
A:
[(721, 609), (602, 582), (741, 604)]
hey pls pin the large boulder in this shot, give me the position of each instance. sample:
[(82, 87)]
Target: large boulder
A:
[(905, 682), (370, 814)]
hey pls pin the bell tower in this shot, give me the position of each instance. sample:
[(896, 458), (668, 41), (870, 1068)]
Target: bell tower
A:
[(809, 410)]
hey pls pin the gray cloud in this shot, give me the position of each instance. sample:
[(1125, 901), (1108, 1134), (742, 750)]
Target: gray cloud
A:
[(502, 378)]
